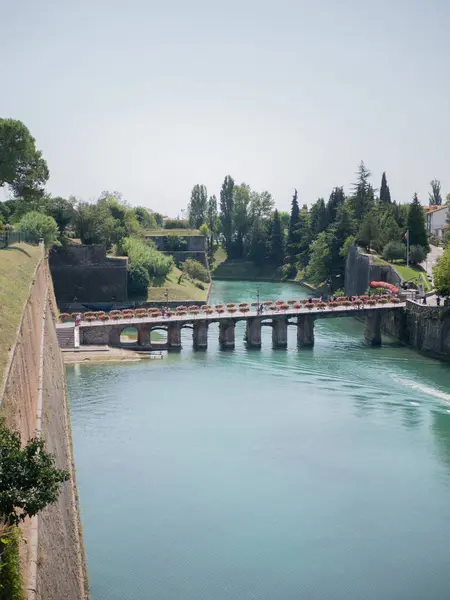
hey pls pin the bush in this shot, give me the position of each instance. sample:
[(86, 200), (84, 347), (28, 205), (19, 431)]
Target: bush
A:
[(138, 280), (36, 226), (195, 270), (11, 579), (157, 264), (394, 251), (416, 254), (30, 480), (287, 271), (176, 224)]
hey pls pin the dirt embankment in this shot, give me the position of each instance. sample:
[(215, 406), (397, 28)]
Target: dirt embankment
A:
[(53, 557)]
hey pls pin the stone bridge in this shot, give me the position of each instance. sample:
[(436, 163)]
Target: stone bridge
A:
[(98, 333)]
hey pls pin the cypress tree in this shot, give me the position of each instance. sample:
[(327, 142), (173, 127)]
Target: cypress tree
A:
[(416, 225), (385, 194), (291, 239), (276, 254), (319, 217), (226, 211)]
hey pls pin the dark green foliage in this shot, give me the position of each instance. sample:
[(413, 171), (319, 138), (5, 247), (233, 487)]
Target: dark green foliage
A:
[(416, 254), (389, 230), (36, 225), (301, 239), (394, 251), (362, 199), (138, 280), (198, 206), (320, 263), (441, 273), (416, 225), (94, 224), (335, 201), (63, 211), (212, 218), (146, 218), (369, 230), (276, 252), (226, 211), (11, 578), (195, 270), (141, 253), (318, 217), (435, 195), (293, 238), (22, 167), (176, 224), (175, 243), (400, 214), (385, 194), (30, 480)]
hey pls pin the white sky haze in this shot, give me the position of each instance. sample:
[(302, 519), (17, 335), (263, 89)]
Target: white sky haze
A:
[(150, 98)]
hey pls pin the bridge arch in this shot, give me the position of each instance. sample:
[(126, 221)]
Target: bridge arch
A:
[(158, 335), (128, 335)]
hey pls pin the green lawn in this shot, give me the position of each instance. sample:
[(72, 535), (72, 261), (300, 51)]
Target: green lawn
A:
[(17, 265), (186, 290), (413, 273)]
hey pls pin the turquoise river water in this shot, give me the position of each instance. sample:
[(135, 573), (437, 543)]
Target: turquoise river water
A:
[(266, 474)]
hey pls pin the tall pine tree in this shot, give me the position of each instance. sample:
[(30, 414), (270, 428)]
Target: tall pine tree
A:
[(361, 200), (226, 212), (416, 225), (319, 217), (385, 194), (276, 251), (335, 200), (291, 238)]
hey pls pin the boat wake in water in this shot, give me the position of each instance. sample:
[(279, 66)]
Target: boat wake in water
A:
[(430, 391)]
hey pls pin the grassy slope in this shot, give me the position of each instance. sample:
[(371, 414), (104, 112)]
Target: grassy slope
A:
[(412, 273), (186, 290), (17, 265)]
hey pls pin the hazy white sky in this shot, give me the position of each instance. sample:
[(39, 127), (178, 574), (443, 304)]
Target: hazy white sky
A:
[(150, 98)]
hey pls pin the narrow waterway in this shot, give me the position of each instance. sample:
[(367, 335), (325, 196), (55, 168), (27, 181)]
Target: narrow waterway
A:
[(266, 474)]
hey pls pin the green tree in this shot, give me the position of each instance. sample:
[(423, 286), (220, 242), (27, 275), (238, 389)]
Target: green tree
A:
[(36, 226), (157, 264), (416, 254), (369, 230), (343, 252), (400, 214), (257, 252), (318, 217), (394, 251), (63, 211), (299, 249), (212, 219), (435, 195), (94, 224), (441, 274), (319, 266), (226, 212), (385, 194), (30, 479), (293, 237), (195, 270), (416, 225), (22, 167), (335, 201), (198, 206), (138, 280), (146, 218), (276, 248), (241, 219), (361, 200), (389, 230)]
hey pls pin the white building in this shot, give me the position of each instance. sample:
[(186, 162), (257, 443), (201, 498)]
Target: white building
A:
[(436, 219)]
